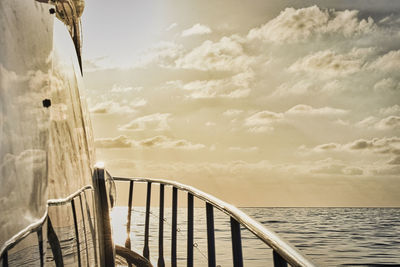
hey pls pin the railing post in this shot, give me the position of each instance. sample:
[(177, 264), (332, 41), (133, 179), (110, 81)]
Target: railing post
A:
[(84, 231), (103, 224), (92, 225), (210, 235), (54, 244), (278, 260), (174, 225), (128, 224), (160, 262), (236, 244), (190, 231), (146, 251), (4, 258), (40, 242), (76, 232)]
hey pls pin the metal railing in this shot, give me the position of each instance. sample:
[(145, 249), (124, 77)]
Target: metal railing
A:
[(54, 242), (103, 187), (283, 252)]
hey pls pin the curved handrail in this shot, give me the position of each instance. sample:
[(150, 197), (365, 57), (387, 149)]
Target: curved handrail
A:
[(33, 227), (283, 248), (62, 201)]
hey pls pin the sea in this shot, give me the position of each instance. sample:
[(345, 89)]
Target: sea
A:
[(326, 236)]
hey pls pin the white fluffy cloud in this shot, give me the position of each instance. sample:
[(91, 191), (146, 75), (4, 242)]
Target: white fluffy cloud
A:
[(121, 141), (299, 25), (156, 122), (236, 86), (384, 124), (308, 110), (226, 54), (243, 149), (387, 85), (232, 112), (159, 141), (162, 54), (110, 107), (387, 62), (386, 145), (330, 63), (263, 121), (395, 109), (197, 29), (391, 123)]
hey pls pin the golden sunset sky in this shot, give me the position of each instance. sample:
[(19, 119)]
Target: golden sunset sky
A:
[(260, 103)]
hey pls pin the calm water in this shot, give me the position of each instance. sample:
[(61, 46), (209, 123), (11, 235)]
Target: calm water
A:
[(328, 236)]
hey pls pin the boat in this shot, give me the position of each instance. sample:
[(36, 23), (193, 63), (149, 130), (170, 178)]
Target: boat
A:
[(55, 200)]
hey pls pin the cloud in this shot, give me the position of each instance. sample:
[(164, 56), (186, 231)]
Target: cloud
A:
[(327, 147), (367, 122), (310, 86), (388, 62), (120, 89), (387, 85), (300, 25), (395, 109), (111, 107), (330, 63), (302, 109), (121, 141), (391, 122), (197, 29), (263, 121), (337, 169), (236, 86), (172, 26), (387, 170), (243, 149), (95, 64), (395, 161), (161, 141), (385, 145), (161, 54), (227, 54), (156, 122), (232, 112)]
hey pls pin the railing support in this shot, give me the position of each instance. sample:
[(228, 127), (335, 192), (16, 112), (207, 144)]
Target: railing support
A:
[(210, 235), (92, 225), (76, 232), (54, 244), (4, 258), (160, 262), (106, 244), (146, 251), (291, 255), (278, 260), (40, 242), (190, 231), (128, 224), (174, 225), (84, 230), (236, 244)]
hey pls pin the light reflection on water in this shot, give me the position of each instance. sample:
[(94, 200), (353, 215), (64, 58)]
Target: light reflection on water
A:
[(328, 236)]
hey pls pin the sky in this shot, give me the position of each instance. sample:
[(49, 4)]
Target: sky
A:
[(260, 103)]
